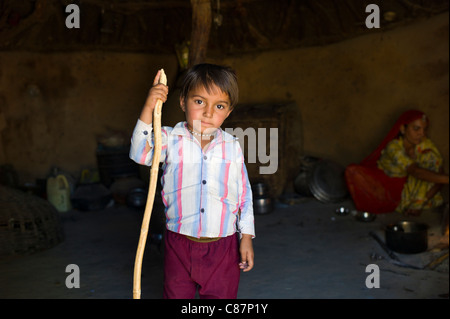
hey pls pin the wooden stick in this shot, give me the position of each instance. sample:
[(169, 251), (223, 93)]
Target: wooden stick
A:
[(157, 112), (437, 261)]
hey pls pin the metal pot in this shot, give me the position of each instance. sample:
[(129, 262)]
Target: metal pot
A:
[(327, 182), (91, 197), (260, 190), (301, 182), (407, 237), (262, 201), (137, 197), (323, 179), (263, 205)]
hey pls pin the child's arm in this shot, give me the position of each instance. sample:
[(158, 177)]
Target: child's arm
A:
[(157, 92), (246, 218), (141, 142), (247, 253)]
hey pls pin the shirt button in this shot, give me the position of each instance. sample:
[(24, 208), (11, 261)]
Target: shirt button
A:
[(202, 210), (205, 157), (145, 132), (204, 182)]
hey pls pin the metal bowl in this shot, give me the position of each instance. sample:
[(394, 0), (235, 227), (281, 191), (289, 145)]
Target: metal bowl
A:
[(365, 216), (342, 211)]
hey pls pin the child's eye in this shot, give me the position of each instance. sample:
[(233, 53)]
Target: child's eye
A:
[(220, 106), (199, 102)]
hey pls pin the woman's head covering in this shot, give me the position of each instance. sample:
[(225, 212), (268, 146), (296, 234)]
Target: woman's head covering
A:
[(404, 119)]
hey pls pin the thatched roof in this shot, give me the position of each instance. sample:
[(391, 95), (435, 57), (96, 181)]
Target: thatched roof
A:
[(156, 26)]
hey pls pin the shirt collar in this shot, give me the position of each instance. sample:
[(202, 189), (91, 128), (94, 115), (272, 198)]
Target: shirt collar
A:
[(181, 129)]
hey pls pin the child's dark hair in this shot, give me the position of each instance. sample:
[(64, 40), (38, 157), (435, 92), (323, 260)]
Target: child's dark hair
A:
[(208, 74)]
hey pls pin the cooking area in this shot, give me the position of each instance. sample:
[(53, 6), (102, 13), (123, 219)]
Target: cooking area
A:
[(343, 125)]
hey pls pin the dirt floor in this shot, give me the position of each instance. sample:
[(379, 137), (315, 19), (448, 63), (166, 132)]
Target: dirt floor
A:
[(303, 250)]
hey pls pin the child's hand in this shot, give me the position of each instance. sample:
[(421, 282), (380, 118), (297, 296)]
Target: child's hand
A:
[(246, 251), (157, 92)]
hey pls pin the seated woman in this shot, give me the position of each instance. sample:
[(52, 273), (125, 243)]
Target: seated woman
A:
[(403, 174)]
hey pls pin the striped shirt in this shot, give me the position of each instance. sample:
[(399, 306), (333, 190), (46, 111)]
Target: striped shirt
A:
[(202, 190)]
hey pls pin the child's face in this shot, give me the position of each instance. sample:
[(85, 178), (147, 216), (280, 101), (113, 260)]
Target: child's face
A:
[(205, 112)]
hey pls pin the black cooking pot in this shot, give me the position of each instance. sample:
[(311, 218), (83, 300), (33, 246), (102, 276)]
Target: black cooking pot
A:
[(137, 197), (407, 237), (91, 197)]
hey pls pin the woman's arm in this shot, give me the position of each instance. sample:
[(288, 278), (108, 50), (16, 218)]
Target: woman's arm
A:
[(427, 175)]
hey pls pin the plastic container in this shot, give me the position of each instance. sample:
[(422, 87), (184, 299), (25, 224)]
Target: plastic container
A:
[(58, 192)]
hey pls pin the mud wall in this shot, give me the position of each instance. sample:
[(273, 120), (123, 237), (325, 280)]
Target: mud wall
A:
[(351, 93), (53, 106)]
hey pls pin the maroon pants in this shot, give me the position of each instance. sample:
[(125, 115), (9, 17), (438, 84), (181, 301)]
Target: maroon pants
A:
[(212, 268)]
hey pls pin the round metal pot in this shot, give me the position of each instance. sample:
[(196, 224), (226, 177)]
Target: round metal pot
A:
[(301, 185), (137, 197), (407, 237), (327, 182), (260, 189), (322, 179), (91, 197), (263, 205)]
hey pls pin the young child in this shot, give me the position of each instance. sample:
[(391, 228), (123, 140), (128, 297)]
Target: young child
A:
[(205, 184)]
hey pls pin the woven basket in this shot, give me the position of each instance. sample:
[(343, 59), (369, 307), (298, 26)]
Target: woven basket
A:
[(27, 223)]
